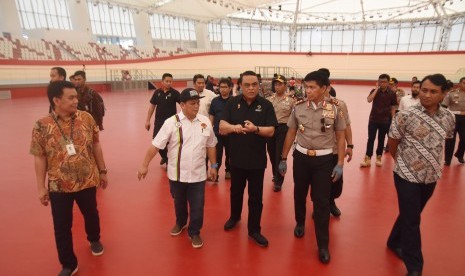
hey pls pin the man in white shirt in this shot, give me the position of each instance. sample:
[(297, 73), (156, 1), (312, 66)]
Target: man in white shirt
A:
[(205, 94), (188, 137), (412, 99)]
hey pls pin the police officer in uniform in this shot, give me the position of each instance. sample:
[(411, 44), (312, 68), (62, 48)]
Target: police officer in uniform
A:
[(282, 106), (315, 125), (455, 101)]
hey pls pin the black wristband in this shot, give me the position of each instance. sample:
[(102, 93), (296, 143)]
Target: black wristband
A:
[(350, 146)]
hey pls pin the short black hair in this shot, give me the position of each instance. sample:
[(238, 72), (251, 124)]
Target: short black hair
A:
[(319, 77), (80, 73), (415, 82), (55, 90), (450, 85), (249, 73), (197, 76), (166, 75), (437, 79), (461, 79), (325, 71), (384, 76), (60, 71), (227, 81)]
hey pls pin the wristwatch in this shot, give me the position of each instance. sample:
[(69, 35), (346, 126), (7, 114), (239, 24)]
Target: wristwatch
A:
[(214, 166), (103, 171)]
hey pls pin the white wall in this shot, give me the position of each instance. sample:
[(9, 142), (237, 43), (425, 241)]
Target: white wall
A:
[(9, 18)]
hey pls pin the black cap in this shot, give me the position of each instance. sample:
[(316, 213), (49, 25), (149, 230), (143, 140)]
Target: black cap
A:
[(279, 78), (189, 94)]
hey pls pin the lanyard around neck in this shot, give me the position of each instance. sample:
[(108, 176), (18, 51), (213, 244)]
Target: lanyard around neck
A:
[(70, 139)]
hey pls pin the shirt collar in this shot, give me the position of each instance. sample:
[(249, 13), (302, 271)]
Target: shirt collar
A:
[(182, 117), (439, 112)]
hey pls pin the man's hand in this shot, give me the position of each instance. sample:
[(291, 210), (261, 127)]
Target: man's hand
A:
[(282, 167), (337, 173), (142, 172), (238, 129), (147, 125), (103, 181), (249, 127), (212, 174), (349, 153), (43, 196)]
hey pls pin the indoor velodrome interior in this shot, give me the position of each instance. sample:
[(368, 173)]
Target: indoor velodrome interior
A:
[(356, 40)]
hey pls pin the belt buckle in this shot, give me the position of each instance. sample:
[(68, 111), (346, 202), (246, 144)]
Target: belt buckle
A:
[(311, 152)]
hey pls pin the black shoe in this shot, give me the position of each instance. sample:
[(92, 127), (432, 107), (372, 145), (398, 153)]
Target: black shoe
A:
[(68, 271), (323, 255), (163, 161), (299, 230), (230, 224), (334, 210), (259, 239), (414, 273), (277, 187), (461, 160), (397, 251)]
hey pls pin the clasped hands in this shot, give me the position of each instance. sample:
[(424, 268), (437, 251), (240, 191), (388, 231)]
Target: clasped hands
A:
[(248, 127)]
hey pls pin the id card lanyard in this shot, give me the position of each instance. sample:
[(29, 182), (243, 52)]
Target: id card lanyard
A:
[(69, 141)]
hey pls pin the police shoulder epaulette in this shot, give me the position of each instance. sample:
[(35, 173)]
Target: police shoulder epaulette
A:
[(334, 101)]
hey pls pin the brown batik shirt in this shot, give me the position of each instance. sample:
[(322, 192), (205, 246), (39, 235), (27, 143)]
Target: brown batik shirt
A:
[(421, 136), (67, 173)]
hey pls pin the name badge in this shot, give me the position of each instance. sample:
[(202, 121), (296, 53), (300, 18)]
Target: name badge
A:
[(70, 149)]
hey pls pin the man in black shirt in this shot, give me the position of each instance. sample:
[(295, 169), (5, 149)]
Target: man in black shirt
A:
[(216, 110), (383, 109), (165, 99), (248, 119)]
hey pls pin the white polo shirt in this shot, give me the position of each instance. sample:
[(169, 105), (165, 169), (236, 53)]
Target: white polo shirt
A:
[(408, 101), (187, 142), (206, 101)]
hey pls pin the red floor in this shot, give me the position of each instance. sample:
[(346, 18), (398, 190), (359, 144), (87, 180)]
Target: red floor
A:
[(137, 216)]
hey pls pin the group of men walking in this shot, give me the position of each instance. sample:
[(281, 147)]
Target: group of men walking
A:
[(318, 129)]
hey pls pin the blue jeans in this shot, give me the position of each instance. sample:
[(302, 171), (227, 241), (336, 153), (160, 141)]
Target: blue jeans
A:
[(382, 129), (405, 233), (194, 194)]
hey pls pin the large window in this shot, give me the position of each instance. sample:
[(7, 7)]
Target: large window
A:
[(172, 28), (51, 14), (392, 37), (254, 37), (111, 21)]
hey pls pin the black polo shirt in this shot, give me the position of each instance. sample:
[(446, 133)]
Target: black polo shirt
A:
[(165, 103), (216, 109), (248, 151), (382, 105)]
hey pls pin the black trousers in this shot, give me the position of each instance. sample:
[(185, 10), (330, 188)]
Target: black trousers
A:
[(189, 197), (450, 143), (274, 146), (62, 213), (382, 129), (405, 233), (156, 129), (315, 171), (336, 187), (239, 179), (223, 142)]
